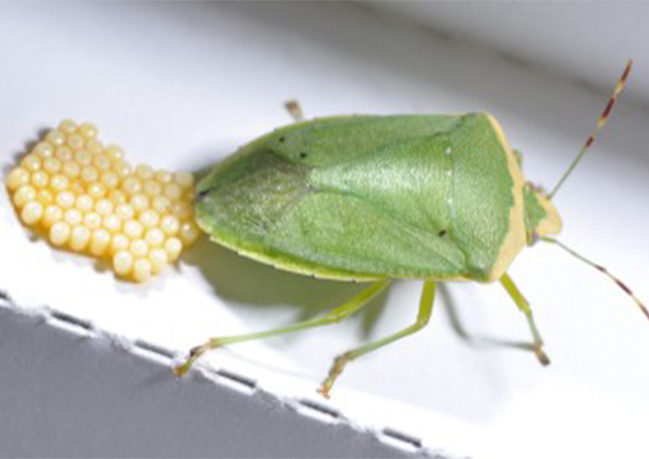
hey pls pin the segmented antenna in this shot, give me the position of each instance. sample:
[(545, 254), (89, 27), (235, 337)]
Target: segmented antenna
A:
[(603, 118), (602, 269)]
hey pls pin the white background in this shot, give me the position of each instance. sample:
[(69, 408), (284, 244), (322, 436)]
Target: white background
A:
[(182, 85)]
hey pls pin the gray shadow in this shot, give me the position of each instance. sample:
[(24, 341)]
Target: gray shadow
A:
[(245, 283), (476, 340)]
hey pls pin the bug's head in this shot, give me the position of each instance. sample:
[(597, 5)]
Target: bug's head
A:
[(541, 216)]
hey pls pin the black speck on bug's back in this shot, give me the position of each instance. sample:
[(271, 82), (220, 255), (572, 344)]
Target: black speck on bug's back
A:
[(442, 233), (282, 139), (303, 155)]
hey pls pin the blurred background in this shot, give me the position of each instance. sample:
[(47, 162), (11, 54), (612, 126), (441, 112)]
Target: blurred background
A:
[(182, 85)]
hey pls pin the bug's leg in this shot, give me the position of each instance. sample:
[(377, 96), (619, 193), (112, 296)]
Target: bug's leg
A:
[(335, 315), (425, 310), (524, 306), (295, 110)]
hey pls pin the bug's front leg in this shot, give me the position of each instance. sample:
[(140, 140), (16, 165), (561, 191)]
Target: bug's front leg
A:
[(524, 306), (425, 311), (336, 315)]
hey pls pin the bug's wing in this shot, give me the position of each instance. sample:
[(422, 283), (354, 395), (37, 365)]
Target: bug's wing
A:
[(363, 212), (345, 233)]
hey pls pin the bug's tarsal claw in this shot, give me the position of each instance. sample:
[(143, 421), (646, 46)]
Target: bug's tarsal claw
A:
[(181, 370), (542, 356), (336, 369), (194, 354)]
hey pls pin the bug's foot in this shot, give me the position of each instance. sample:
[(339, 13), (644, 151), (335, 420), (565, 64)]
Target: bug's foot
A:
[(295, 110), (181, 370), (336, 369), (542, 356), (194, 354)]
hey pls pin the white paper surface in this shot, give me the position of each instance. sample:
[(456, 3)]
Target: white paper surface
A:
[(182, 85)]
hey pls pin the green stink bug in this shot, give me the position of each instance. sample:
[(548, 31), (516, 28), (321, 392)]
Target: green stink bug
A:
[(376, 198)]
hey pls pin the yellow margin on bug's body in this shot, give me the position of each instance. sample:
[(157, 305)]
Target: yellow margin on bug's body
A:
[(515, 239)]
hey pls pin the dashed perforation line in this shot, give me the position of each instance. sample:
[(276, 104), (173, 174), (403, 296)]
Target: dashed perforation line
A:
[(399, 439)]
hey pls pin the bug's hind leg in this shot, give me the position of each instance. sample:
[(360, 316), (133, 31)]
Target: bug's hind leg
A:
[(425, 310), (336, 315), (295, 110), (524, 306)]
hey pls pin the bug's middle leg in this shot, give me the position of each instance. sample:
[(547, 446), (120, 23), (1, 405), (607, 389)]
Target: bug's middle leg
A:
[(425, 311), (336, 315), (524, 307)]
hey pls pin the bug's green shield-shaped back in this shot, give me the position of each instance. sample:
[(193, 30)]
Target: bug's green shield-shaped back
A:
[(368, 197)]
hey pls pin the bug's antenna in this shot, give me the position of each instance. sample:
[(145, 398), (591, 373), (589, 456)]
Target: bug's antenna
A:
[(602, 269), (603, 118)]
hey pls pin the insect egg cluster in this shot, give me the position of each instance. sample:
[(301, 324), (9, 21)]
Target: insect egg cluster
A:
[(85, 197)]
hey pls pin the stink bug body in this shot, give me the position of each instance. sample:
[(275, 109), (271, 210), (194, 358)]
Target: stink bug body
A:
[(376, 198)]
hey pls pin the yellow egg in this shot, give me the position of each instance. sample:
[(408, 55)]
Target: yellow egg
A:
[(84, 203), (149, 218), (112, 223), (88, 198), (59, 233), (92, 220), (99, 242), (32, 212), (154, 237), (189, 233), (133, 229), (119, 243), (142, 270), (55, 137), (68, 126), (83, 157), (32, 162), (170, 225), (184, 179), (52, 165), (88, 130), (59, 182), (173, 246), (144, 172), (173, 191), (110, 179), (71, 169), (79, 238), (65, 199), (89, 174), (94, 146), (51, 215), (131, 185), (76, 141), (72, 216), (43, 149), (17, 178), (159, 260), (123, 263), (139, 202), (114, 152), (151, 188), (124, 211), (102, 162), (23, 195), (96, 190), (45, 196), (64, 153)]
